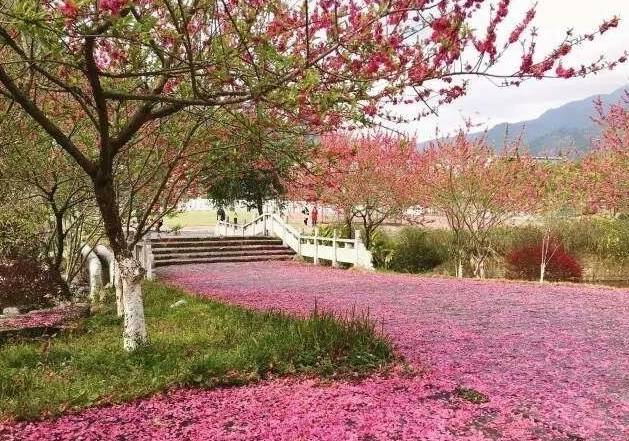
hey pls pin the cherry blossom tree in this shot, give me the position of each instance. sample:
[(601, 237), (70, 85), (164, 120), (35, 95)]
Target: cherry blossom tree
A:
[(363, 177), (116, 67), (40, 179), (476, 189), (605, 176)]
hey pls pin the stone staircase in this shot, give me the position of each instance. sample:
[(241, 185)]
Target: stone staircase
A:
[(186, 250)]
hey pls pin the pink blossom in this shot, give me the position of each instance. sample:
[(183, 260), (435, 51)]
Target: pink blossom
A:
[(68, 9), (112, 6)]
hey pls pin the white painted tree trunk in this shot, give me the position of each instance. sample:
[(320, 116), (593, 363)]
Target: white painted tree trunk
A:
[(131, 273), (542, 271), (459, 269), (481, 269), (119, 294), (95, 273), (478, 263)]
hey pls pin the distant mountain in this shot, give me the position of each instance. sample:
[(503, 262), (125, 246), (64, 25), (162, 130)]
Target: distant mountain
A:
[(568, 127)]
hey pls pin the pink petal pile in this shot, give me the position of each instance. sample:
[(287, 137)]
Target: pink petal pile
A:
[(42, 318), (553, 361)]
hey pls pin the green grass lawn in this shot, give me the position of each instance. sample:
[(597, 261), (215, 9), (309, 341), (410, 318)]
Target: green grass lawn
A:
[(203, 343), (206, 218)]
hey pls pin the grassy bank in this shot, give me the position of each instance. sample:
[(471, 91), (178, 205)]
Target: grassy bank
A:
[(202, 343)]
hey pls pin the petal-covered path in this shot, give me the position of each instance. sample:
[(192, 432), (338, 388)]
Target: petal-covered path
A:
[(552, 360)]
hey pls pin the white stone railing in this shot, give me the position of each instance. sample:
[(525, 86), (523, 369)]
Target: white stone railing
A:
[(334, 249), (144, 253)]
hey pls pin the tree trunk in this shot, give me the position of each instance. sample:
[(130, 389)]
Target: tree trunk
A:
[(118, 286), (350, 229), (134, 333), (260, 206), (131, 273), (368, 234), (459, 267), (59, 239), (542, 271), (478, 263)]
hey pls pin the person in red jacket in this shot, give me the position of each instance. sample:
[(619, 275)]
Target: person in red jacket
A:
[(315, 215)]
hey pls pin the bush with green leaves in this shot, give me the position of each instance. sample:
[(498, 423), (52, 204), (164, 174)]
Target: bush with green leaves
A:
[(606, 238), (418, 250), (382, 249), (27, 280), (327, 230), (20, 235), (412, 250)]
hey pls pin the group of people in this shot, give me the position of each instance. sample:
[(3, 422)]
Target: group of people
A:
[(314, 215), (311, 217)]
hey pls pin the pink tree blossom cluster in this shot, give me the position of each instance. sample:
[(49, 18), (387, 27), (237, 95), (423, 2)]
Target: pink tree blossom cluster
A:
[(605, 177), (418, 46), (366, 178)]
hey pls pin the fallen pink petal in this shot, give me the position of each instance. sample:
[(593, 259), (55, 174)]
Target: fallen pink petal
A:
[(553, 361), (43, 318)]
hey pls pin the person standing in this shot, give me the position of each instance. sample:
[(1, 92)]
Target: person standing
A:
[(306, 213), (220, 214), (315, 215)]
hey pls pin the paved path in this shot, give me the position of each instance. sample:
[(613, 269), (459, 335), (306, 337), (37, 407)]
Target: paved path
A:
[(553, 360)]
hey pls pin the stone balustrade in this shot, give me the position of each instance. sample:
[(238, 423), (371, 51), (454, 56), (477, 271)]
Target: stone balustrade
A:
[(333, 249)]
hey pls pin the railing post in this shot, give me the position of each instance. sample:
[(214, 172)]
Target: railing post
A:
[(335, 262), (148, 259), (299, 246), (284, 242), (363, 255), (316, 246)]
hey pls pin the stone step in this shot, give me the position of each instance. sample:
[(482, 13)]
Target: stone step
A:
[(159, 263), (204, 238), (214, 243), (209, 255), (218, 248)]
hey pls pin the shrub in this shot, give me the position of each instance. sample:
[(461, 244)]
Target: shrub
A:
[(598, 236), (27, 284), (19, 237), (382, 249), (418, 251), (524, 262), (328, 230)]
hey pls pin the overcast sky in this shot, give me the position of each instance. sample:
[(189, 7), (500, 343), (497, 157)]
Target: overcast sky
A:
[(487, 104)]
